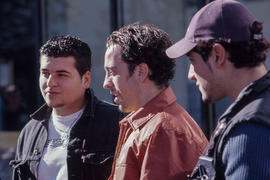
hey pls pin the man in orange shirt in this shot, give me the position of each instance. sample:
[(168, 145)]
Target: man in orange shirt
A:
[(158, 138)]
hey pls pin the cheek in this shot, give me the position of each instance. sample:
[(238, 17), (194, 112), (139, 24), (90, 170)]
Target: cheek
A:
[(202, 73), (117, 83), (42, 83), (197, 70), (74, 86)]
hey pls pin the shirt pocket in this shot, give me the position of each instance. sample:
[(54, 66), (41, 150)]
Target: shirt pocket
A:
[(97, 165), (97, 158)]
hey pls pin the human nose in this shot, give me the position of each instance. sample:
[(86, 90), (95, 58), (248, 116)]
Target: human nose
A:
[(107, 84), (51, 81), (191, 74)]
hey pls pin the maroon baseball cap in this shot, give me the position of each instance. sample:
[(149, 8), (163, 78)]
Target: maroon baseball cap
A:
[(219, 20)]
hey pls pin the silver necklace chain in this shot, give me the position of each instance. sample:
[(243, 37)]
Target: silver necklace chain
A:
[(64, 138)]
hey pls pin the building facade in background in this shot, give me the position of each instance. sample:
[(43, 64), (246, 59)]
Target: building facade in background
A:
[(26, 24)]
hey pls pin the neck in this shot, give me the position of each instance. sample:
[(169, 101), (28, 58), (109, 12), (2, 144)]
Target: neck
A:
[(243, 77), (65, 110), (148, 92)]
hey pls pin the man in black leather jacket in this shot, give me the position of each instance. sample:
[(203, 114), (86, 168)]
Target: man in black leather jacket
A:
[(73, 135)]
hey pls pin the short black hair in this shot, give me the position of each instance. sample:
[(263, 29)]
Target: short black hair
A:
[(145, 44), (241, 54), (67, 45)]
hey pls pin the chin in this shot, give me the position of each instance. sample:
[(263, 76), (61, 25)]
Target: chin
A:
[(207, 99), (123, 109), (120, 108), (53, 104)]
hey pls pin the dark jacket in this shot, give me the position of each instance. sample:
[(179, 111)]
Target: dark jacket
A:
[(251, 106), (93, 137)]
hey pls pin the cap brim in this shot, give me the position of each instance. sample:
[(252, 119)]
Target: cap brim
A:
[(180, 48)]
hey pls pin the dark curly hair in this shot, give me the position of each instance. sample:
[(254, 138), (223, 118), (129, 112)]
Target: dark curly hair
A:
[(145, 44), (67, 45), (241, 54)]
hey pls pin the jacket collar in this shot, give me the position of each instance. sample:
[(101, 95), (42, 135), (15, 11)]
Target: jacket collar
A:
[(145, 113), (44, 112)]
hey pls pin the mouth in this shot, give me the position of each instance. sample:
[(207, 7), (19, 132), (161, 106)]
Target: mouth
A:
[(114, 93), (117, 98), (51, 93)]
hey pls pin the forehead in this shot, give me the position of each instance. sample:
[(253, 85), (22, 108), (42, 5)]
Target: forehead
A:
[(57, 62), (191, 54), (113, 56)]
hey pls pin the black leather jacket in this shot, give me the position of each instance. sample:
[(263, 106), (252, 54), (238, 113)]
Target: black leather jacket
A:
[(90, 151)]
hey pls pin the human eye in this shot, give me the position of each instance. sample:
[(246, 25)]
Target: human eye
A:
[(45, 74), (62, 73), (111, 72)]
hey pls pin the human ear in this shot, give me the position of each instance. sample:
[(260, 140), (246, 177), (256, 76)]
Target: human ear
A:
[(86, 79), (141, 71), (219, 52)]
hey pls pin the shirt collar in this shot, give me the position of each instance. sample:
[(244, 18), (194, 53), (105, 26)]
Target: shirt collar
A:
[(146, 112)]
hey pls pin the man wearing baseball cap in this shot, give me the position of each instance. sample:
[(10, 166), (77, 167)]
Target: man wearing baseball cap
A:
[(227, 51)]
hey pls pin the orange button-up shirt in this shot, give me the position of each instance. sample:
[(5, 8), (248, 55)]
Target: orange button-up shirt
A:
[(159, 141)]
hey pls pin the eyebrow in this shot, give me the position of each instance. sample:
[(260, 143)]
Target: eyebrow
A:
[(63, 71), (58, 71), (111, 67), (189, 53)]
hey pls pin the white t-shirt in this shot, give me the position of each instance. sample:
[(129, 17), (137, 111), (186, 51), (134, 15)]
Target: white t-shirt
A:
[(53, 163)]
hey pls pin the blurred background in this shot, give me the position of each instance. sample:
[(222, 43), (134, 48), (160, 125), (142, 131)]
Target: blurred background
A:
[(27, 24)]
